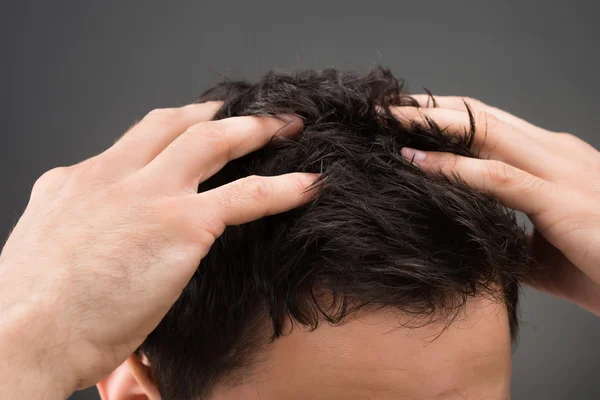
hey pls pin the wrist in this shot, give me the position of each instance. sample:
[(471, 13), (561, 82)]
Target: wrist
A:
[(31, 361)]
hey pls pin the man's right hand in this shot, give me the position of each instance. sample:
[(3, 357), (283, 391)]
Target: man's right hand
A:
[(552, 177), (105, 247)]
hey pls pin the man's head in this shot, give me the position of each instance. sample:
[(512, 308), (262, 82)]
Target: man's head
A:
[(391, 283)]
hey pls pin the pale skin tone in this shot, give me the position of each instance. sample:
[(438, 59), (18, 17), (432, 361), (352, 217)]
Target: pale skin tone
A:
[(385, 355), (105, 247), (553, 177)]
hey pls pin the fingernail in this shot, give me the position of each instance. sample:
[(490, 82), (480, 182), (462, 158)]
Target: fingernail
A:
[(415, 156), (289, 118), (292, 125)]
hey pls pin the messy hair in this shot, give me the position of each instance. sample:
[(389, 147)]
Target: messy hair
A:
[(379, 232)]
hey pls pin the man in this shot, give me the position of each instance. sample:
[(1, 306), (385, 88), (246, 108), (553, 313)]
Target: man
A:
[(415, 321), (352, 295)]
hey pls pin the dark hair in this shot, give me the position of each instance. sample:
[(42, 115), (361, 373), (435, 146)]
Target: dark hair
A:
[(379, 232)]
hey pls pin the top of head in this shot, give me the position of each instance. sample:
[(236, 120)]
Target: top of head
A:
[(379, 234)]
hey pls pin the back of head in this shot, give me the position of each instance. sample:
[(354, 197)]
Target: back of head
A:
[(379, 233)]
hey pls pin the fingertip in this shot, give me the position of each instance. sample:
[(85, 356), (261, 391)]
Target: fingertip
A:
[(306, 182), (413, 155), (213, 105), (425, 100), (293, 125), (307, 177)]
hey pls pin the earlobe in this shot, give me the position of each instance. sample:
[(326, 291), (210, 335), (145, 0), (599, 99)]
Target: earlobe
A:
[(131, 381)]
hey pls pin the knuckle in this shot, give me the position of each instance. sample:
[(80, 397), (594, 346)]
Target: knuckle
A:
[(500, 173), (529, 183), (90, 169), (51, 180), (490, 128), (568, 137), (472, 102), (164, 116), (211, 134), (55, 175), (489, 121), (456, 163), (210, 131), (534, 183), (258, 188)]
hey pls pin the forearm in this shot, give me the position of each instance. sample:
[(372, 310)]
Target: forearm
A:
[(30, 366)]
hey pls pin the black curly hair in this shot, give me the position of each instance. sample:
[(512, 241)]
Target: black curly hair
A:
[(379, 232)]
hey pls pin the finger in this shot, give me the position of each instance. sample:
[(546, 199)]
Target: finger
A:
[(557, 142), (493, 139), (206, 147), (513, 187), (144, 141), (254, 197), (458, 103)]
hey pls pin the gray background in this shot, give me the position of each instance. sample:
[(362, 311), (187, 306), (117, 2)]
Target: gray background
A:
[(76, 74)]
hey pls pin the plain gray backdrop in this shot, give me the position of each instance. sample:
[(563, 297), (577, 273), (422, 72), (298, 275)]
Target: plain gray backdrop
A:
[(76, 74)]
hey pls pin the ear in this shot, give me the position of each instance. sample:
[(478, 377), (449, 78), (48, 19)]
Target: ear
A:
[(131, 381)]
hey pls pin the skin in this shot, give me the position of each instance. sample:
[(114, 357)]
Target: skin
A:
[(105, 247), (376, 355), (550, 176), (386, 355)]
